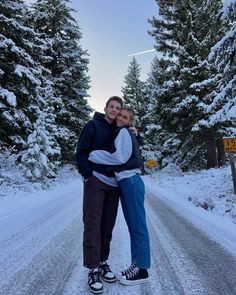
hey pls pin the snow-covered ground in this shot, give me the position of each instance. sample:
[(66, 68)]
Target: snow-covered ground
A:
[(206, 198), (210, 191), (188, 193)]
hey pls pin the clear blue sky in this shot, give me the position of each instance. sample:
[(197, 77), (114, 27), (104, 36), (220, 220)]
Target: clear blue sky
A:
[(112, 30)]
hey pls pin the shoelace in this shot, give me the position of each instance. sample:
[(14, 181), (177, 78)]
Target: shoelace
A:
[(105, 267), (132, 273), (94, 276), (129, 269)]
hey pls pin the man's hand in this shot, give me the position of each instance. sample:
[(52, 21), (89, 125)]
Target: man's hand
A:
[(134, 130)]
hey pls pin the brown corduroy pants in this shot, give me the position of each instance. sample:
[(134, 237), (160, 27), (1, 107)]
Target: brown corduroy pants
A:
[(100, 206)]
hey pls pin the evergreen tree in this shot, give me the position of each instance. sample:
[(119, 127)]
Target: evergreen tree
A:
[(152, 130), (134, 93), (19, 75), (185, 33), (68, 65), (37, 159), (194, 69), (160, 137), (222, 109), (26, 91), (42, 156)]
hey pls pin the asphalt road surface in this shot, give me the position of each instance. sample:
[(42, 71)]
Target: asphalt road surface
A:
[(41, 252)]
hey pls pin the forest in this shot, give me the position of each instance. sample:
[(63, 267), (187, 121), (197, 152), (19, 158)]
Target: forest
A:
[(184, 108)]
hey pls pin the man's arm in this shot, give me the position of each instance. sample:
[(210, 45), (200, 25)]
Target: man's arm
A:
[(123, 145), (83, 149)]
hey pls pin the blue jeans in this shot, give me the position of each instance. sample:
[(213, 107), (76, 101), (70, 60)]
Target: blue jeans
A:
[(132, 202)]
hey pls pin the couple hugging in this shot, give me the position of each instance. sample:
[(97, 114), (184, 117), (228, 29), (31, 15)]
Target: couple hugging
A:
[(109, 160)]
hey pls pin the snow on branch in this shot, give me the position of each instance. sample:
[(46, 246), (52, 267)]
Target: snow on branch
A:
[(9, 96), (22, 70)]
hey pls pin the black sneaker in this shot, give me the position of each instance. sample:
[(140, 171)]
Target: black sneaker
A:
[(106, 274), (135, 277), (119, 275), (94, 282)]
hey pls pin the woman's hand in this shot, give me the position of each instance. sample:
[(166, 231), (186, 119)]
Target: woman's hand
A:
[(134, 130)]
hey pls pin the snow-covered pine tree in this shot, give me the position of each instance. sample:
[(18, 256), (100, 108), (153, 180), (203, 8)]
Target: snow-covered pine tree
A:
[(41, 158), (199, 146), (26, 89), (69, 67), (134, 93), (152, 127), (37, 159), (161, 142), (19, 75), (46, 121), (183, 36), (222, 109)]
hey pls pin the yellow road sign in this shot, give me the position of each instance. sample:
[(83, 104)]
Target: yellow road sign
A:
[(229, 144), (151, 163)]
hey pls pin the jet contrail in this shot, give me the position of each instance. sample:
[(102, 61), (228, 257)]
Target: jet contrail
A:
[(141, 52)]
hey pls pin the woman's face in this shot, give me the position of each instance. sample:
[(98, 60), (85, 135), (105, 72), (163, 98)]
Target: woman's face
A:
[(123, 118)]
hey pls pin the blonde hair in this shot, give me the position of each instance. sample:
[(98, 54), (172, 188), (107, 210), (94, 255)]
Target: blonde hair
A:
[(132, 115)]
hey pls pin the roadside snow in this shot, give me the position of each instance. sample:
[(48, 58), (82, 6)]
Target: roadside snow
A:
[(205, 197)]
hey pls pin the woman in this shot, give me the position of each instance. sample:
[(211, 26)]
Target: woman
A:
[(132, 196)]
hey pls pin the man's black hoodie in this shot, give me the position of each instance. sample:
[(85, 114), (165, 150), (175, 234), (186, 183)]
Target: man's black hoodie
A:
[(97, 134)]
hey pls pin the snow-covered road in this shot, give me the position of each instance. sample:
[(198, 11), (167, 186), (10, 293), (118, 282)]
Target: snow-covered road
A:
[(41, 250), (185, 259)]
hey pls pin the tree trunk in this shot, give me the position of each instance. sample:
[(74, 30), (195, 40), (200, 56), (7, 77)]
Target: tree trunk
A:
[(211, 149), (220, 152)]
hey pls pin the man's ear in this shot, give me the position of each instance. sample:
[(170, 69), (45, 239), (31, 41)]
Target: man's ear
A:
[(104, 109)]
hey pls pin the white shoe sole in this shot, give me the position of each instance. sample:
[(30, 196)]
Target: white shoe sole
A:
[(133, 283), (108, 280), (118, 276), (96, 292)]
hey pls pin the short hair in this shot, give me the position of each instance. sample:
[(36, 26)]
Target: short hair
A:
[(132, 114), (116, 98)]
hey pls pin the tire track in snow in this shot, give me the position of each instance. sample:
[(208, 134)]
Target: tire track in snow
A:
[(187, 260)]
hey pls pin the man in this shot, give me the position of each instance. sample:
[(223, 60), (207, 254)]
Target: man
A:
[(100, 201)]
